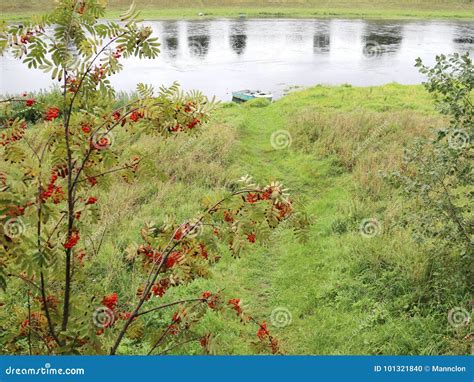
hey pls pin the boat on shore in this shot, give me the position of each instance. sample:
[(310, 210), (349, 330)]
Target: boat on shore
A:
[(247, 95)]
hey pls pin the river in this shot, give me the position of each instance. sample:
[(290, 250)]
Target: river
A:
[(221, 56)]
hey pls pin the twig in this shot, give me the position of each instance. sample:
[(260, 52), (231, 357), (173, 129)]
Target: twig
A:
[(29, 322), (169, 304), (154, 272), (179, 344)]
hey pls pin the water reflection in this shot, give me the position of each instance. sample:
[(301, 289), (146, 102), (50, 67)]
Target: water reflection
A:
[(221, 56), (380, 39), (170, 38), (198, 39), (238, 37), (463, 39), (321, 43)]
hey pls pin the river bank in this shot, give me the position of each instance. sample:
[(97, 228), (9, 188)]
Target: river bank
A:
[(163, 10)]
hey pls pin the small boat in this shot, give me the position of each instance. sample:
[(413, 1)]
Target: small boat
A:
[(247, 95)]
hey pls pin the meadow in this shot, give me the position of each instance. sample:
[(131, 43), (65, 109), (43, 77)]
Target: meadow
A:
[(380, 179), (341, 291), (345, 293)]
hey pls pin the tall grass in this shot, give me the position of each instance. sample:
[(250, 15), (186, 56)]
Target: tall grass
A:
[(364, 142), (347, 294)]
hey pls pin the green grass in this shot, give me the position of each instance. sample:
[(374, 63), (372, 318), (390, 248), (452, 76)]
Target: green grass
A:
[(187, 9), (347, 294)]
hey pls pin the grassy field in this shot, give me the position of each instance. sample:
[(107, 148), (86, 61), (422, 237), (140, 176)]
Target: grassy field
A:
[(342, 290), (186, 9), (346, 293)]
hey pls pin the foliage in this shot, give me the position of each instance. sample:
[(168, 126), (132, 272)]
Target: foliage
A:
[(58, 156), (437, 173), (437, 181)]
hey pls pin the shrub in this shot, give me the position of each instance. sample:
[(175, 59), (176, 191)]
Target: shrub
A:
[(53, 168)]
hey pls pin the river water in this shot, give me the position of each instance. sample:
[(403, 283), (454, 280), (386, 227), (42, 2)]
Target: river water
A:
[(221, 56)]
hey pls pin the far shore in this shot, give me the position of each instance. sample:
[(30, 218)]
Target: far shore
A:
[(194, 13)]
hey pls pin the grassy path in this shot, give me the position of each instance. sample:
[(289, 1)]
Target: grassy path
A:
[(345, 294), (332, 285), (292, 276)]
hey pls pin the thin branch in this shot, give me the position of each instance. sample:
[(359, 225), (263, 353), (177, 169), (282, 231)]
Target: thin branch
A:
[(162, 337), (12, 99), (29, 322), (156, 268), (42, 338), (454, 215), (26, 280), (56, 226), (32, 149), (91, 149), (101, 241), (70, 194), (88, 69), (170, 304), (179, 344), (43, 152), (111, 171), (46, 311), (38, 243)]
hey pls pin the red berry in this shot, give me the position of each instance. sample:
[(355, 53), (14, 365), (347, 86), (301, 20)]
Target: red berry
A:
[(52, 113), (91, 200)]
